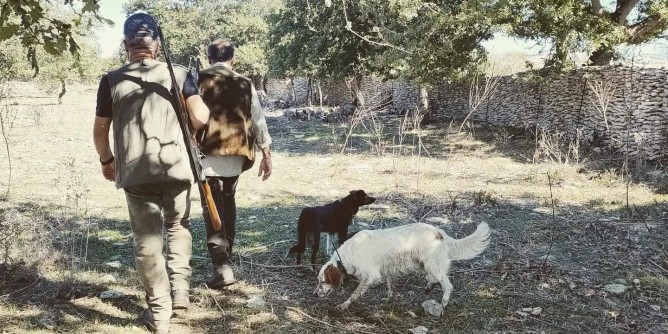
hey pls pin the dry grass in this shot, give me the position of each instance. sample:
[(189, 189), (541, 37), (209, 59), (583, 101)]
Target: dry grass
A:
[(486, 175)]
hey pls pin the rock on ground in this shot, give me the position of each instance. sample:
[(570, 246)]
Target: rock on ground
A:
[(615, 288), (432, 307)]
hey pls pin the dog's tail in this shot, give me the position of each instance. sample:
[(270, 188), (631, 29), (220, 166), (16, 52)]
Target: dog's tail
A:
[(301, 235), (471, 246)]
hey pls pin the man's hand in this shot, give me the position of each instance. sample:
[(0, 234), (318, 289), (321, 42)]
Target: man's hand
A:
[(109, 171), (265, 168), (265, 164)]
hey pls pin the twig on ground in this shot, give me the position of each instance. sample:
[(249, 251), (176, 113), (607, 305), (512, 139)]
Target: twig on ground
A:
[(549, 250), (275, 266), (23, 288), (323, 322), (642, 218), (215, 301), (615, 222), (658, 266), (478, 270), (425, 215)]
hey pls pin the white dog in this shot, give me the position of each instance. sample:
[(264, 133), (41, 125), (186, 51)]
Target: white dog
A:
[(374, 255)]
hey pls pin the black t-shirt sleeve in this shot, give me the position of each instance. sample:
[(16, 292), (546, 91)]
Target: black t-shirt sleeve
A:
[(103, 108), (190, 87)]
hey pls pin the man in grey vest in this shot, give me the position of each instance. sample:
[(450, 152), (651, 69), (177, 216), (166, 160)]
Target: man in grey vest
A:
[(149, 161), (235, 129)]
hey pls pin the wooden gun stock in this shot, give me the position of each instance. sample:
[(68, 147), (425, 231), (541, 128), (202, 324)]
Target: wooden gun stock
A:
[(216, 223)]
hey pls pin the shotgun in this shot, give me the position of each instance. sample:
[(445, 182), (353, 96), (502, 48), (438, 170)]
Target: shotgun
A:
[(211, 217), (195, 70)]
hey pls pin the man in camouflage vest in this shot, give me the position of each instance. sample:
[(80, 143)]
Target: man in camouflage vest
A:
[(235, 129)]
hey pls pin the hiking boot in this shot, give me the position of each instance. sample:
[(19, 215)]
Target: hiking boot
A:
[(180, 299), (223, 276), (157, 327)]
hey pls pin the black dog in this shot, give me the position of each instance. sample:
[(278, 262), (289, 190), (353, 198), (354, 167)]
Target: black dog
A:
[(331, 218)]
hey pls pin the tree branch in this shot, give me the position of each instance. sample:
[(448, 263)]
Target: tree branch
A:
[(650, 24), (624, 8), (596, 7), (350, 29)]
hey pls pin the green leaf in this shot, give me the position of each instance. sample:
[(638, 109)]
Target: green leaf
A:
[(105, 20), (7, 32)]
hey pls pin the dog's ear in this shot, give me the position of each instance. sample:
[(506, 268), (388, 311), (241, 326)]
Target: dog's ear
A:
[(333, 276)]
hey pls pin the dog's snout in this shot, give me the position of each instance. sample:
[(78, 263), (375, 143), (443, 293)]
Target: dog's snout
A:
[(370, 200), (323, 293), (322, 290)]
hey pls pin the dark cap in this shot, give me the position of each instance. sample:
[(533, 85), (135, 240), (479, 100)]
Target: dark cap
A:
[(140, 24)]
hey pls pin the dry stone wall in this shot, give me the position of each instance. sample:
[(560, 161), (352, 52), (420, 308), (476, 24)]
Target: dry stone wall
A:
[(635, 117), (625, 108)]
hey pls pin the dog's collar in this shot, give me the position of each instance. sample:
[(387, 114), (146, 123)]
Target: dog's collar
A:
[(339, 264), (341, 267), (352, 212)]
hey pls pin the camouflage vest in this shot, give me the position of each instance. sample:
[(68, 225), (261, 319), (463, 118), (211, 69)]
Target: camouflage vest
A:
[(230, 128)]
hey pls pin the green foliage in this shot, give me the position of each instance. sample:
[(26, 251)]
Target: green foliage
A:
[(583, 26), (35, 23), (423, 41), (12, 63), (439, 40), (310, 38), (87, 67), (189, 26)]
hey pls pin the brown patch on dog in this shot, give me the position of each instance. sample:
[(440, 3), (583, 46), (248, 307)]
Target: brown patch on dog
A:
[(333, 276), (439, 236)]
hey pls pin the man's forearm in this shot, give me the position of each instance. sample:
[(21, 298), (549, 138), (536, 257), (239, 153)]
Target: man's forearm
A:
[(198, 112), (101, 138), (266, 152), (102, 147)]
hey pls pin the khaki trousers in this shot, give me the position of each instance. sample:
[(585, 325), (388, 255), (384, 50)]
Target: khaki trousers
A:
[(154, 207)]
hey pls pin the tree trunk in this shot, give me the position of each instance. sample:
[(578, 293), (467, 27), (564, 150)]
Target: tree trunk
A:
[(558, 59), (309, 91), (353, 96), (257, 81), (265, 81), (294, 95), (320, 92), (424, 104), (602, 56), (356, 91), (63, 90)]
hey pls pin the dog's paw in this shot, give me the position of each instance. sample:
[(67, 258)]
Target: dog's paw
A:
[(342, 307)]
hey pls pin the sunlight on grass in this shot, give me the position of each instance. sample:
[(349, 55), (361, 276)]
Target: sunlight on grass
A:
[(111, 235), (655, 282), (489, 293)]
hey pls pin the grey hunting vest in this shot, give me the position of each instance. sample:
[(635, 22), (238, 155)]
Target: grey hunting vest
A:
[(148, 143)]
